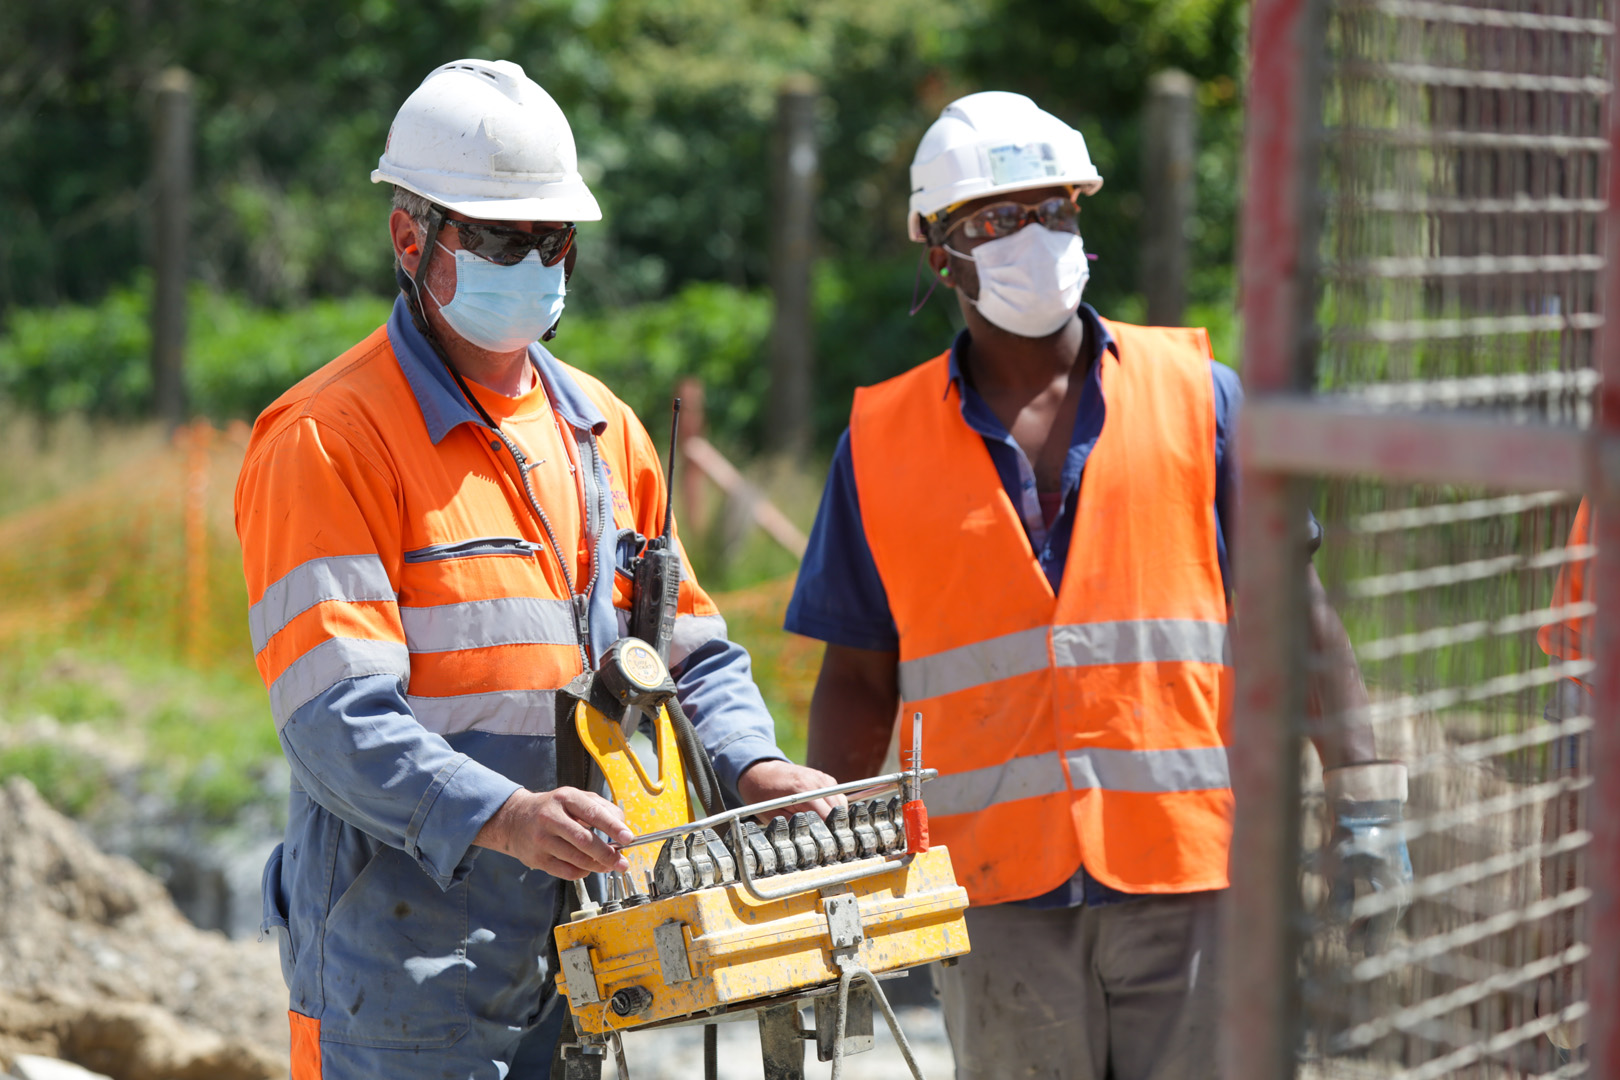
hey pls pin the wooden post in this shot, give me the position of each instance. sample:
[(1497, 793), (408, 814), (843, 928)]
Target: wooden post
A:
[(689, 509), (1169, 159), (793, 219), (171, 181)]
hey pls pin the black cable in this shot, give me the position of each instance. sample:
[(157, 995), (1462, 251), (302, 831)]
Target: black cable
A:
[(699, 768)]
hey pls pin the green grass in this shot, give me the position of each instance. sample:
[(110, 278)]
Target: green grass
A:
[(99, 632), (202, 737), (69, 779)]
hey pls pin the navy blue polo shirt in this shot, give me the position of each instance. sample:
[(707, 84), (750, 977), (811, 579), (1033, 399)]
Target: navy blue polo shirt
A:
[(839, 597)]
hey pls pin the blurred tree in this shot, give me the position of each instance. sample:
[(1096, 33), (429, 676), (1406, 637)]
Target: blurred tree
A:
[(671, 106)]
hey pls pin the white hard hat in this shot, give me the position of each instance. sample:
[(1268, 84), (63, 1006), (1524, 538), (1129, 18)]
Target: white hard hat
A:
[(989, 143), (482, 138)]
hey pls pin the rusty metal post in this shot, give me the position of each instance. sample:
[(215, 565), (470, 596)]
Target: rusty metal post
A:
[(793, 221), (1260, 932), (171, 182), (1169, 158), (1603, 866)]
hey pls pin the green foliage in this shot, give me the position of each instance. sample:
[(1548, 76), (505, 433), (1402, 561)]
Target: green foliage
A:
[(714, 332), (671, 105), (69, 779), (79, 358), (95, 359)]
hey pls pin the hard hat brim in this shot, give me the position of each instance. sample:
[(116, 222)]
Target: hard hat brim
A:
[(573, 202)]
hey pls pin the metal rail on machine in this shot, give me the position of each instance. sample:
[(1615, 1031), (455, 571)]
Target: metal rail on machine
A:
[(875, 785)]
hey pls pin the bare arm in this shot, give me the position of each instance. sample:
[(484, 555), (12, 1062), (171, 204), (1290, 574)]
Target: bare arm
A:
[(1336, 698), (852, 711)]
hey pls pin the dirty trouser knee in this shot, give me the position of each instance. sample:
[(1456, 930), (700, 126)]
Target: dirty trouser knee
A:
[(1123, 991)]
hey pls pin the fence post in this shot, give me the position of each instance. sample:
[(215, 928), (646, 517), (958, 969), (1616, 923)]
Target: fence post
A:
[(691, 508), (793, 218), (1603, 807), (1260, 937), (1169, 161), (171, 180)]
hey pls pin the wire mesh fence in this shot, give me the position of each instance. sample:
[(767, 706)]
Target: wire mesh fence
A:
[(1460, 172), (1444, 591)]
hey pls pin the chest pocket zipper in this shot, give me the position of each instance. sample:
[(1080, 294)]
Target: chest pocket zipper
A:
[(474, 548)]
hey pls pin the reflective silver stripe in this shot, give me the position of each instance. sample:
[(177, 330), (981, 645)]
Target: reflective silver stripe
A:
[(339, 577), (972, 665), (1136, 641), (1139, 641), (691, 631), (474, 624), (328, 663), (1155, 771), (500, 712), (971, 791)]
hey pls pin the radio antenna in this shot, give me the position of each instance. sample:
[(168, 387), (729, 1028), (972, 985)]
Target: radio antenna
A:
[(669, 484)]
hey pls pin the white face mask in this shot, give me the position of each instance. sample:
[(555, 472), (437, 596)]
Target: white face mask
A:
[(1030, 282), (503, 308)]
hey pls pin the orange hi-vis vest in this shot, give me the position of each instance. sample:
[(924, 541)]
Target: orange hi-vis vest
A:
[(1087, 727), (1569, 637)]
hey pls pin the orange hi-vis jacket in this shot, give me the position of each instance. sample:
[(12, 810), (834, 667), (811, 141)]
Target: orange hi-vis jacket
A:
[(413, 620), (1087, 727), (1568, 638), (372, 545)]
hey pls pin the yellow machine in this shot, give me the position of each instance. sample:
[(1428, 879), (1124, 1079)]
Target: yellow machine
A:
[(721, 916)]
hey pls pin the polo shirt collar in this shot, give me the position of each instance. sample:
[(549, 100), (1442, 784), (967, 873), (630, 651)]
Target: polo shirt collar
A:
[(440, 399), (1095, 332)]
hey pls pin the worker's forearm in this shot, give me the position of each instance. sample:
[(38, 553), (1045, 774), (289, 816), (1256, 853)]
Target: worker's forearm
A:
[(1336, 696), (852, 712)]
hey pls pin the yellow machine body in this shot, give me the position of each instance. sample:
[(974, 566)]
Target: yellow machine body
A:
[(716, 947), (737, 948)]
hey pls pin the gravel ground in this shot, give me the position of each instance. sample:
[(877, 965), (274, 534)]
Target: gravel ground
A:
[(677, 1053)]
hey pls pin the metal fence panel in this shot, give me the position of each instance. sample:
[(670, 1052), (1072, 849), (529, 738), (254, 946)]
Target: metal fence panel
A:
[(1425, 272)]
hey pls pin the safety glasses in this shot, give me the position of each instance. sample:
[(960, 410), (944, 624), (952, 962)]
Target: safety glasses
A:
[(507, 246), (1059, 213)]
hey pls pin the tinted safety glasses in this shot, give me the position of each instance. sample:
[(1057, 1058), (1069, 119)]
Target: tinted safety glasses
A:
[(1059, 213), (507, 246)]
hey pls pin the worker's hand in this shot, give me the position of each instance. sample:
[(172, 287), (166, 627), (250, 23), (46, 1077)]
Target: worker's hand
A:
[(1367, 858), (775, 779), (551, 831)]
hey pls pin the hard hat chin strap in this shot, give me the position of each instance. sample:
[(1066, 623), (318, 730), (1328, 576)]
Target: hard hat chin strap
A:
[(413, 295), (412, 286)]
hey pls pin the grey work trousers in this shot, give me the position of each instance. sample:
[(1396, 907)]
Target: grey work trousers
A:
[(1117, 992)]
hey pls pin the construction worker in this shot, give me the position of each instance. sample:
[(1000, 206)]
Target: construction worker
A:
[(433, 528), (1025, 539)]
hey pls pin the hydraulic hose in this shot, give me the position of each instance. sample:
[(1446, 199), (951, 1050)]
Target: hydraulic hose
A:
[(699, 769)]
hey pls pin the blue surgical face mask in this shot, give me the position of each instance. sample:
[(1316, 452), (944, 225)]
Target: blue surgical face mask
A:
[(503, 308)]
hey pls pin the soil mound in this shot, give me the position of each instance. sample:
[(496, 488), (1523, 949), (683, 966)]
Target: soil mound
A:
[(99, 967)]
